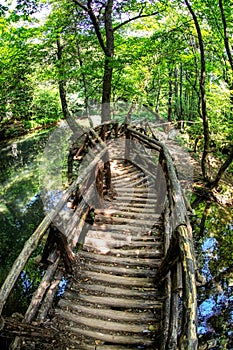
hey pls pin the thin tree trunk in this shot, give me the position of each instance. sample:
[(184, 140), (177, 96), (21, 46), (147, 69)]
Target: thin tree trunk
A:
[(169, 111), (106, 94), (222, 170), (204, 161), (176, 92), (62, 84), (181, 91), (86, 99), (228, 48), (108, 67)]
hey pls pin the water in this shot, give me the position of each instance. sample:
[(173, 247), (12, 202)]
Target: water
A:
[(213, 232), (21, 210)]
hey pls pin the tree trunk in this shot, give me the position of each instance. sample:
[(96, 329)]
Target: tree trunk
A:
[(86, 99), (181, 91), (204, 161), (108, 68), (223, 168), (106, 93), (169, 112), (228, 48), (62, 83)]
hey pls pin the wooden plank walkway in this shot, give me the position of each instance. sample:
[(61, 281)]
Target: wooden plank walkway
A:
[(112, 298), (135, 272)]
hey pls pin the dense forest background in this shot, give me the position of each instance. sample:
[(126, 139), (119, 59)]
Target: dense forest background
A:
[(175, 58)]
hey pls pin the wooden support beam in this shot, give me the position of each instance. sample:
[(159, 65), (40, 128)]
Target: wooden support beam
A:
[(188, 338)]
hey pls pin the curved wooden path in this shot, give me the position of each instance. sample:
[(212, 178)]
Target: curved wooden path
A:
[(134, 266)]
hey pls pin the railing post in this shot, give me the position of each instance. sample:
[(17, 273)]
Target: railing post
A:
[(127, 143), (188, 338)]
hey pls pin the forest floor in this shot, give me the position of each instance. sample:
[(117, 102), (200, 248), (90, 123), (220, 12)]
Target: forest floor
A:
[(188, 165)]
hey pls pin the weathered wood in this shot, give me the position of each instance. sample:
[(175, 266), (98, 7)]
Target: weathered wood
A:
[(120, 260), (64, 248), (49, 298), (120, 271), (174, 311), (170, 259), (112, 314), (36, 300), (188, 339), (17, 328), (102, 324), (132, 281), (122, 220), (112, 338), (40, 292), (124, 250), (123, 292)]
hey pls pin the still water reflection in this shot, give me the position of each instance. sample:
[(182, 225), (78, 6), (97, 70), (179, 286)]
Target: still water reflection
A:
[(213, 232), (21, 210)]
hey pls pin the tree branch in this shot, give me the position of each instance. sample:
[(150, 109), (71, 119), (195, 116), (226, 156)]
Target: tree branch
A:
[(134, 18), (81, 5), (226, 36), (94, 21)]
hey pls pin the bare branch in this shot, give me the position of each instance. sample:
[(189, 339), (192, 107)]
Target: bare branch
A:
[(81, 5), (134, 18), (94, 21)]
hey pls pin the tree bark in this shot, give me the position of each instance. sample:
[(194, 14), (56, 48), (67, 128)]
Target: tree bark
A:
[(169, 112), (62, 83), (204, 161), (108, 67), (222, 170)]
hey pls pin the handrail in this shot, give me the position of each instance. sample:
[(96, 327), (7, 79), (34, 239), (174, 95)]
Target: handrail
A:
[(178, 251), (32, 243), (177, 270)]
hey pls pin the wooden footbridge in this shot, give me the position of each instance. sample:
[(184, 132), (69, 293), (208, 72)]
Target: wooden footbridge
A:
[(126, 253)]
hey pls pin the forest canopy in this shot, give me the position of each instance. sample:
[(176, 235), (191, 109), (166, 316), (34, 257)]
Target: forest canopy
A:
[(175, 58)]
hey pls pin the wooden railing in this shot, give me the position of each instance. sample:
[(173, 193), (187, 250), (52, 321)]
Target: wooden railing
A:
[(84, 184), (177, 270)]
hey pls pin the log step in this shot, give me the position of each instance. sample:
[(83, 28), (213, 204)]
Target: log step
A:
[(111, 338), (119, 302), (133, 229), (105, 325), (115, 347), (126, 236), (133, 316), (100, 242), (113, 279), (116, 220), (107, 259), (120, 271), (137, 253), (139, 293), (125, 213)]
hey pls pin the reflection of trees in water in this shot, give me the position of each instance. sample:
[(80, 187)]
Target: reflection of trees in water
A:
[(21, 210), (214, 238)]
